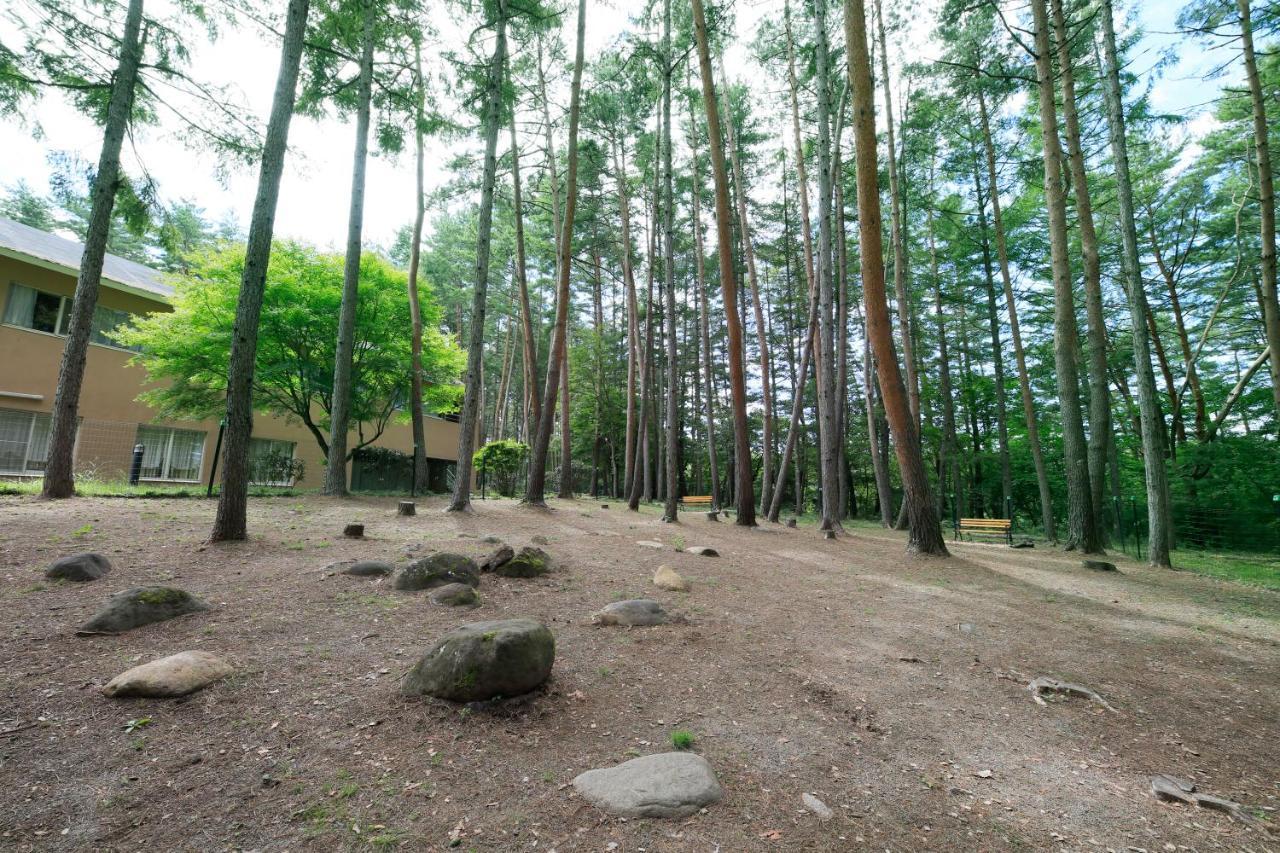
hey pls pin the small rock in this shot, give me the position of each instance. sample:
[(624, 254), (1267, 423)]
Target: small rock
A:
[(669, 784), (368, 569), (353, 531), (454, 595), (79, 568), (438, 570), (529, 563), (649, 543), (634, 612), (499, 557), (817, 806), (1099, 565), (539, 540), (668, 578), (482, 660), (702, 551), (142, 606), (176, 675)]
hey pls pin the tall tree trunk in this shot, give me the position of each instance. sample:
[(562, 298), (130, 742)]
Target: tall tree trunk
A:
[(1188, 358), (1099, 393), (744, 489), (229, 523), (461, 501), (828, 438), (335, 481), (555, 361), (949, 470), (633, 319), (415, 255), (1082, 531), (527, 340), (704, 320), (842, 312), (879, 458), (925, 533), (1266, 201), (997, 351), (1159, 536), (748, 251), (669, 274), (1015, 333), (59, 474)]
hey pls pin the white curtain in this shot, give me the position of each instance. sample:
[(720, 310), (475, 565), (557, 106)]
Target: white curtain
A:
[(15, 427), (21, 308)]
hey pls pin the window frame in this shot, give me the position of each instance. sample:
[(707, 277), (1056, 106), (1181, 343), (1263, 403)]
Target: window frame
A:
[(166, 456), (26, 470), (293, 454), (64, 316)]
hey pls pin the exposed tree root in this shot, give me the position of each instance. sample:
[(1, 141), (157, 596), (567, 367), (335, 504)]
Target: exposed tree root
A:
[(1044, 684), (1170, 789)]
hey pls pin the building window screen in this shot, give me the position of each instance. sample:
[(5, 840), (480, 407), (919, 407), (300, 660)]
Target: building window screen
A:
[(48, 312), (171, 454), (24, 442), (267, 461)]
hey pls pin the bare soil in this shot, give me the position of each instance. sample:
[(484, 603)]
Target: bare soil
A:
[(892, 688)]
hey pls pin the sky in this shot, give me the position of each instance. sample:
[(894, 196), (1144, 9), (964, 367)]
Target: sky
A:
[(316, 188)]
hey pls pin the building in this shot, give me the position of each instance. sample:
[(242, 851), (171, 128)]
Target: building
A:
[(37, 281)]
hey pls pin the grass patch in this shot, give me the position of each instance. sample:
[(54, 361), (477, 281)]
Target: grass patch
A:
[(682, 740), (122, 489), (1255, 569)]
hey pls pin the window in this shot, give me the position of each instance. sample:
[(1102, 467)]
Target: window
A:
[(48, 312), (171, 454), (271, 462), (24, 442)]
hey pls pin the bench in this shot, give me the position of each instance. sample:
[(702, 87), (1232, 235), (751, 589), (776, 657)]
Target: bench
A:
[(701, 501), (1002, 527)]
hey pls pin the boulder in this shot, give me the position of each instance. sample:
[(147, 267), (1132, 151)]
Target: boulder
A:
[(1100, 565), (702, 551), (499, 557), (483, 660), (634, 612), (455, 595), (368, 569), (79, 568), (176, 675), (668, 578), (438, 570), (142, 606), (669, 784), (529, 563)]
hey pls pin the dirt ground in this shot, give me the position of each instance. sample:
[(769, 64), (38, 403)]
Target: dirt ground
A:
[(893, 689)]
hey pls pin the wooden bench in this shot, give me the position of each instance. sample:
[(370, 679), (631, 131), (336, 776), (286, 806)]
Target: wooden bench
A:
[(703, 502), (1002, 527)]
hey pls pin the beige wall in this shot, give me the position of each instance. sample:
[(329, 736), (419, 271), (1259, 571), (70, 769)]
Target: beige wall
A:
[(29, 363)]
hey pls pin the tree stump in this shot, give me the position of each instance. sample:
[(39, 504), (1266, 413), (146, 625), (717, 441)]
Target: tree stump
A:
[(714, 515), (406, 508), (353, 531)]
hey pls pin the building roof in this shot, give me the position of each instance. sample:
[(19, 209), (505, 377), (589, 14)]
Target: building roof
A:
[(53, 252)]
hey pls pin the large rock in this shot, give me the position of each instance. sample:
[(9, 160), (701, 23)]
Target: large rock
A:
[(529, 563), (142, 606), (368, 569), (176, 675), (79, 568), (499, 557), (438, 570), (702, 551), (482, 660), (668, 578), (454, 595), (635, 612), (669, 784)]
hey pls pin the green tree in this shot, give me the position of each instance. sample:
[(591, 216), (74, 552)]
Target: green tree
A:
[(187, 350)]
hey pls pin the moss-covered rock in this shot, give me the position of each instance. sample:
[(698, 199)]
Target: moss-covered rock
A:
[(79, 568), (455, 595), (438, 570), (484, 660), (529, 563), (142, 606)]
